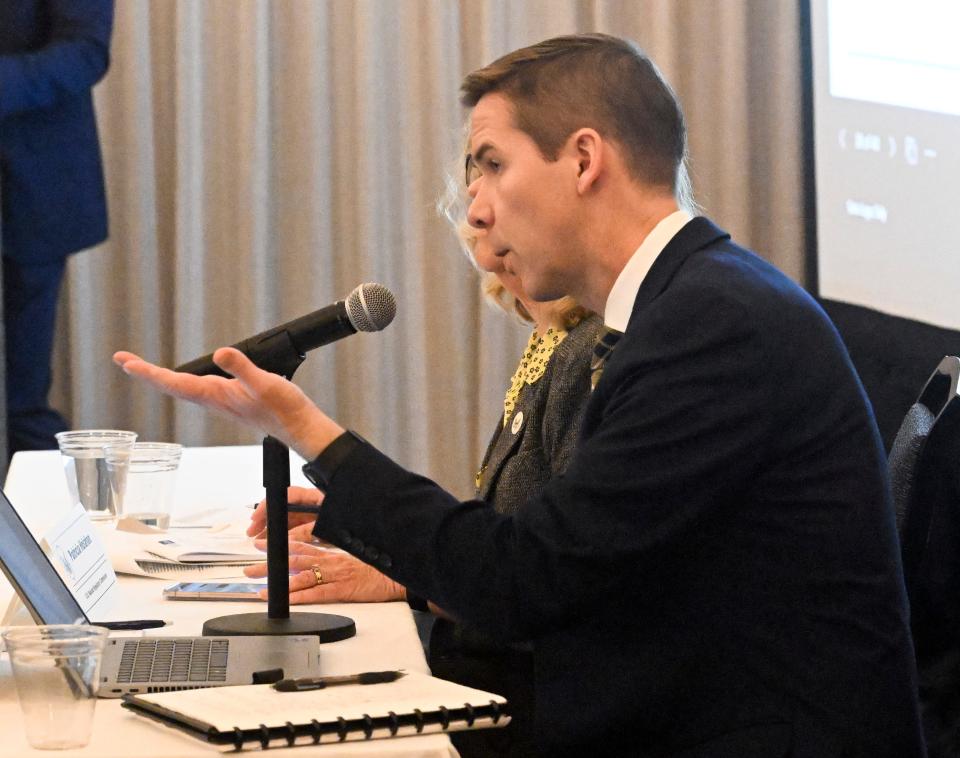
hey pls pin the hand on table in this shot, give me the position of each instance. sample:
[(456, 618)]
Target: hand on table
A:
[(254, 397), (345, 579), (299, 525)]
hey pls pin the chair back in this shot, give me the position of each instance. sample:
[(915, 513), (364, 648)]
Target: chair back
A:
[(925, 474), (925, 477), (904, 456)]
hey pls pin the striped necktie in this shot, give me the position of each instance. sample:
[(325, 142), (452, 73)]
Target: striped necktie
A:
[(601, 351)]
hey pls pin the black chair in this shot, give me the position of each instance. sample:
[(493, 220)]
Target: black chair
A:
[(925, 476)]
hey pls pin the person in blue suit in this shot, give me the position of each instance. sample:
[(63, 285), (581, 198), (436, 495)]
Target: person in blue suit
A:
[(716, 574), (52, 52)]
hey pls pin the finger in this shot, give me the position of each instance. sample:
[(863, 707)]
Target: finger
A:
[(302, 533), (299, 559), (258, 520), (304, 496), (242, 368), (302, 522), (202, 389), (305, 580), (136, 366), (255, 571), (303, 565), (122, 356), (306, 550), (306, 563)]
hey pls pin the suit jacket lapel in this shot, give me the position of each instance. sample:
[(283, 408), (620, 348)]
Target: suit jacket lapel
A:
[(504, 442)]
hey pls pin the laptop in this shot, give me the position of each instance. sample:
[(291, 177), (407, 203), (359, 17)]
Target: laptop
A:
[(146, 664)]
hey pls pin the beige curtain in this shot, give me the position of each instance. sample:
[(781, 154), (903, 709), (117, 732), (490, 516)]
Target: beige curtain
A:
[(266, 156)]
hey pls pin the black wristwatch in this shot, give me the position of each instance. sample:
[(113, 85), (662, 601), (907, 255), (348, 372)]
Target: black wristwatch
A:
[(321, 469)]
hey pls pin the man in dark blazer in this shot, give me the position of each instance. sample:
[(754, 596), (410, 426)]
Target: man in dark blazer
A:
[(51, 184), (716, 575)]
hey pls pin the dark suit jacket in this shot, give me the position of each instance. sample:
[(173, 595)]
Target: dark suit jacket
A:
[(717, 572), (51, 180)]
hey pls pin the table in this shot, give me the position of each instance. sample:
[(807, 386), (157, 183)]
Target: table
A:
[(221, 479)]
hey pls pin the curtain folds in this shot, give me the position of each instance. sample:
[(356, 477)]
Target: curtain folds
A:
[(265, 157)]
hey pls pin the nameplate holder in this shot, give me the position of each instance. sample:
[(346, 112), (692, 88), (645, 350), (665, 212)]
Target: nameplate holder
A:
[(76, 549)]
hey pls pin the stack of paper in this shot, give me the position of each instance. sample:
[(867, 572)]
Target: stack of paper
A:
[(209, 554)]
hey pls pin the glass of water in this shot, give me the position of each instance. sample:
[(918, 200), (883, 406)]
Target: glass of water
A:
[(82, 453), (142, 478)]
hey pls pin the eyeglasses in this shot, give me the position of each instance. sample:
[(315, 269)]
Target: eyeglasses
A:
[(471, 171)]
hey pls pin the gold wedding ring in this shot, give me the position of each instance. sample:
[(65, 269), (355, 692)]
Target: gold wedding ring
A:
[(318, 574)]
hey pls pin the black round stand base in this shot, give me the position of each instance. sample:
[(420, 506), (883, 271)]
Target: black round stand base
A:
[(327, 626)]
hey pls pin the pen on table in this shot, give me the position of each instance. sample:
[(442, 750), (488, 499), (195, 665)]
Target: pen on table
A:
[(319, 682), (315, 509), (132, 624)]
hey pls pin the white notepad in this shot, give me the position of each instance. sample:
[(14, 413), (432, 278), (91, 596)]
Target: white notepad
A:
[(258, 716)]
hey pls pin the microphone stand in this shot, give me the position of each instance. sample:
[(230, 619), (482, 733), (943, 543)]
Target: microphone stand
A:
[(278, 620)]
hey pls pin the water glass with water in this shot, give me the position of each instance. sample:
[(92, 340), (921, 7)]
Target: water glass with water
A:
[(82, 453), (142, 478)]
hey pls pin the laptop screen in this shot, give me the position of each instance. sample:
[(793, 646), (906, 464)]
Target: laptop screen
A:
[(32, 575)]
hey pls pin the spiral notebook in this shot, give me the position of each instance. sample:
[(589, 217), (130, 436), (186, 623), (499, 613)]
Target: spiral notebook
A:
[(260, 717)]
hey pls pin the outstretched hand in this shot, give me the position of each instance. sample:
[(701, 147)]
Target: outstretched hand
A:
[(255, 397)]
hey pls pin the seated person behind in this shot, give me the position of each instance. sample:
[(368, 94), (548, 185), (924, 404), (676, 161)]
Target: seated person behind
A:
[(532, 442)]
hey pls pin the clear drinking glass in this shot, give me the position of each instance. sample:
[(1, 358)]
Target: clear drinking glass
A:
[(142, 479), (82, 452), (56, 669)]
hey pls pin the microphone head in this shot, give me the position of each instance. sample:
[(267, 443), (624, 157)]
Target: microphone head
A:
[(371, 307)]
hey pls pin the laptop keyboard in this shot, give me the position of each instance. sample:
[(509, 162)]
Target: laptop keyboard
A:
[(199, 660)]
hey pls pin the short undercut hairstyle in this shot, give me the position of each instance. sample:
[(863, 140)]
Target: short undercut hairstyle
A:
[(596, 81)]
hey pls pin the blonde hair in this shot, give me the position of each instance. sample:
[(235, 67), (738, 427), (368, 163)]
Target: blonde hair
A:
[(452, 206)]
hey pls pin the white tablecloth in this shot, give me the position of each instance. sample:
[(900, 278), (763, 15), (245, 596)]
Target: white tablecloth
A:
[(209, 478)]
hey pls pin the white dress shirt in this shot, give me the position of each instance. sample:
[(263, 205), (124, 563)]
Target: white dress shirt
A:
[(620, 301)]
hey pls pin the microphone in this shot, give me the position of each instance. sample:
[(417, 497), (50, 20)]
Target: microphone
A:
[(369, 308)]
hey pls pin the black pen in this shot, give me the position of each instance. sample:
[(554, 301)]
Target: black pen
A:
[(314, 509), (128, 625), (318, 683)]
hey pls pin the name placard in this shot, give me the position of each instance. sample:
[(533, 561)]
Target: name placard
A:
[(86, 569)]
